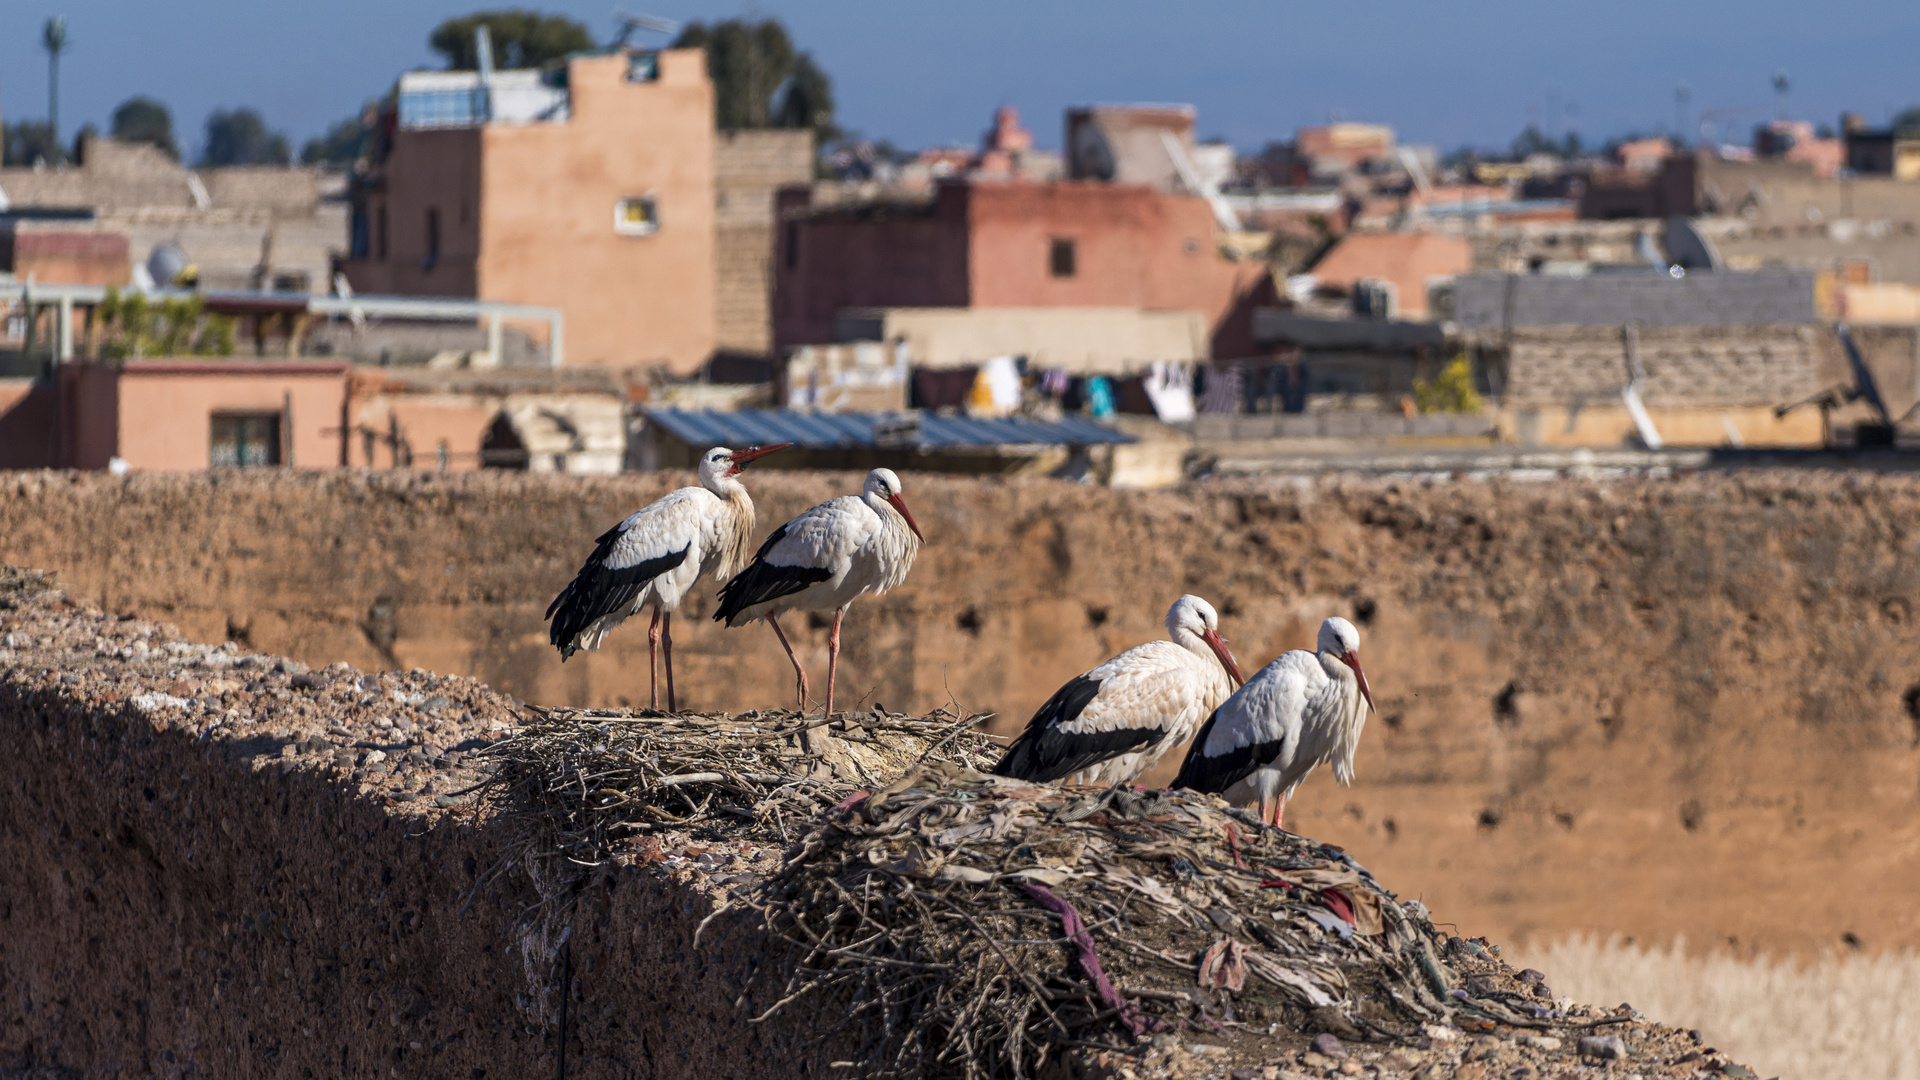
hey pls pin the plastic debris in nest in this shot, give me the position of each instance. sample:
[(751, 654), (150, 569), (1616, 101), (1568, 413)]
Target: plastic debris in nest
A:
[(969, 925)]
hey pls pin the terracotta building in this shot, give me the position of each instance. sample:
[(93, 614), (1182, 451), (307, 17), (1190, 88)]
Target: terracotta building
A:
[(590, 189), (1411, 262), (1007, 245)]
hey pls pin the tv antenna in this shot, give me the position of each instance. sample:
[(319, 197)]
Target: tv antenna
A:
[(631, 21)]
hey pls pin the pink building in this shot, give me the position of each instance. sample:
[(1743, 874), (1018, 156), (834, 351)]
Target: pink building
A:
[(1008, 245), (179, 415)]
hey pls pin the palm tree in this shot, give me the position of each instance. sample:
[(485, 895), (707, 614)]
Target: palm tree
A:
[(53, 38)]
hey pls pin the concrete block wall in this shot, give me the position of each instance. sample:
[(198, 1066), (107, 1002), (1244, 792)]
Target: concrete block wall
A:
[(1685, 365)]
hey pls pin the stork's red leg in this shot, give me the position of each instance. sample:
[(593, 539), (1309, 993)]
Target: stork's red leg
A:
[(1280, 811), (653, 662), (666, 644), (799, 672), (833, 656)]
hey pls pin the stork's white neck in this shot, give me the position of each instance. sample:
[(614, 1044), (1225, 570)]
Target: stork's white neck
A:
[(725, 486), (1186, 638)]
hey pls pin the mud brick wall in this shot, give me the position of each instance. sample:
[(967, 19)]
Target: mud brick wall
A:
[(254, 903), (1686, 366), (1605, 703)]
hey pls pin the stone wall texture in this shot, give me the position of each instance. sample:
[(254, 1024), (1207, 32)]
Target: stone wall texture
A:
[(1686, 366), (1659, 706)]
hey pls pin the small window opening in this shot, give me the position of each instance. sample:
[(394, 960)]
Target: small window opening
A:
[(643, 67), (793, 245), (433, 239), (245, 440), (380, 231), (636, 215), (1060, 258)]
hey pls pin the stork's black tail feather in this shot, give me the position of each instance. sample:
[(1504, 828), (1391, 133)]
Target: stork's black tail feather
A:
[(598, 591), (1046, 752), (762, 581)]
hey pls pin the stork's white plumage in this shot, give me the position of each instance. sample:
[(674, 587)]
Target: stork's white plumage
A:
[(653, 557), (824, 560), (1113, 723), (1300, 710)]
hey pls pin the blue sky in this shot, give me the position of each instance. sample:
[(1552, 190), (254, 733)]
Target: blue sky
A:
[(923, 73)]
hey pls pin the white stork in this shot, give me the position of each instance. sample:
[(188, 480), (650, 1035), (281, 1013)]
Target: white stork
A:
[(1300, 710), (653, 557), (825, 559), (1113, 723)]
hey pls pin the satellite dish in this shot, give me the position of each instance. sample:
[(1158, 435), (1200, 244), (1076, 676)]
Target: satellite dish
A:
[(167, 263), (1688, 248)]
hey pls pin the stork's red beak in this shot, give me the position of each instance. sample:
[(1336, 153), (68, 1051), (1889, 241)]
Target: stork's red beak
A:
[(739, 458), (900, 504), (1219, 646), (1352, 660)]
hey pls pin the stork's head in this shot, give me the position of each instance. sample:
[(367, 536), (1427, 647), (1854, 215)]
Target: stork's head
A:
[(1193, 616), (1339, 639), (719, 463), (882, 484)]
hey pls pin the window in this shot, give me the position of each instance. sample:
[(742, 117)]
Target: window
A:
[(793, 245), (1060, 258), (380, 231), (245, 440), (643, 67), (637, 215), (433, 239)]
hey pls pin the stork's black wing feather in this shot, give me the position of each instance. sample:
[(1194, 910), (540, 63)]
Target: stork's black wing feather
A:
[(599, 590), (762, 581), (1217, 773), (1046, 752)]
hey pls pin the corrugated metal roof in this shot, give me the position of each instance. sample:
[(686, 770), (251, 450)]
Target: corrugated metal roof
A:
[(911, 430)]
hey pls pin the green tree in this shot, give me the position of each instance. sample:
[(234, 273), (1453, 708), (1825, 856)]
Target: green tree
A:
[(135, 326), (1452, 391), (29, 141), (241, 137), (1534, 141), (53, 38), (760, 80), (1907, 121), (521, 38), (343, 144), (141, 119)]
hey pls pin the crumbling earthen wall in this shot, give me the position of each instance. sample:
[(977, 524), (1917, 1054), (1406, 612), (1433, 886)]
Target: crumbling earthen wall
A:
[(1658, 706), (222, 882)]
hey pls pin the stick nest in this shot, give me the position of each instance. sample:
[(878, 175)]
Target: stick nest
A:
[(937, 921), (956, 924)]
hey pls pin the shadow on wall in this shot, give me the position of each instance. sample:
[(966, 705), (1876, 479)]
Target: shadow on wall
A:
[(27, 431)]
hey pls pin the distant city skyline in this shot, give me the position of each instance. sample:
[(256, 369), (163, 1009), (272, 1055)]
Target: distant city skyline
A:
[(932, 75)]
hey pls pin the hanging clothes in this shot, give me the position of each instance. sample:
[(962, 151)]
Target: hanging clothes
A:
[(1001, 379), (1170, 388), (1099, 397), (1222, 395), (945, 388)]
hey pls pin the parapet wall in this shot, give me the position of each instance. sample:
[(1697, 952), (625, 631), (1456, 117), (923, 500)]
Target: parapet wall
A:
[(1605, 703)]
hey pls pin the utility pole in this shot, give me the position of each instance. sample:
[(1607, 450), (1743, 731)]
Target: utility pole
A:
[(53, 38)]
